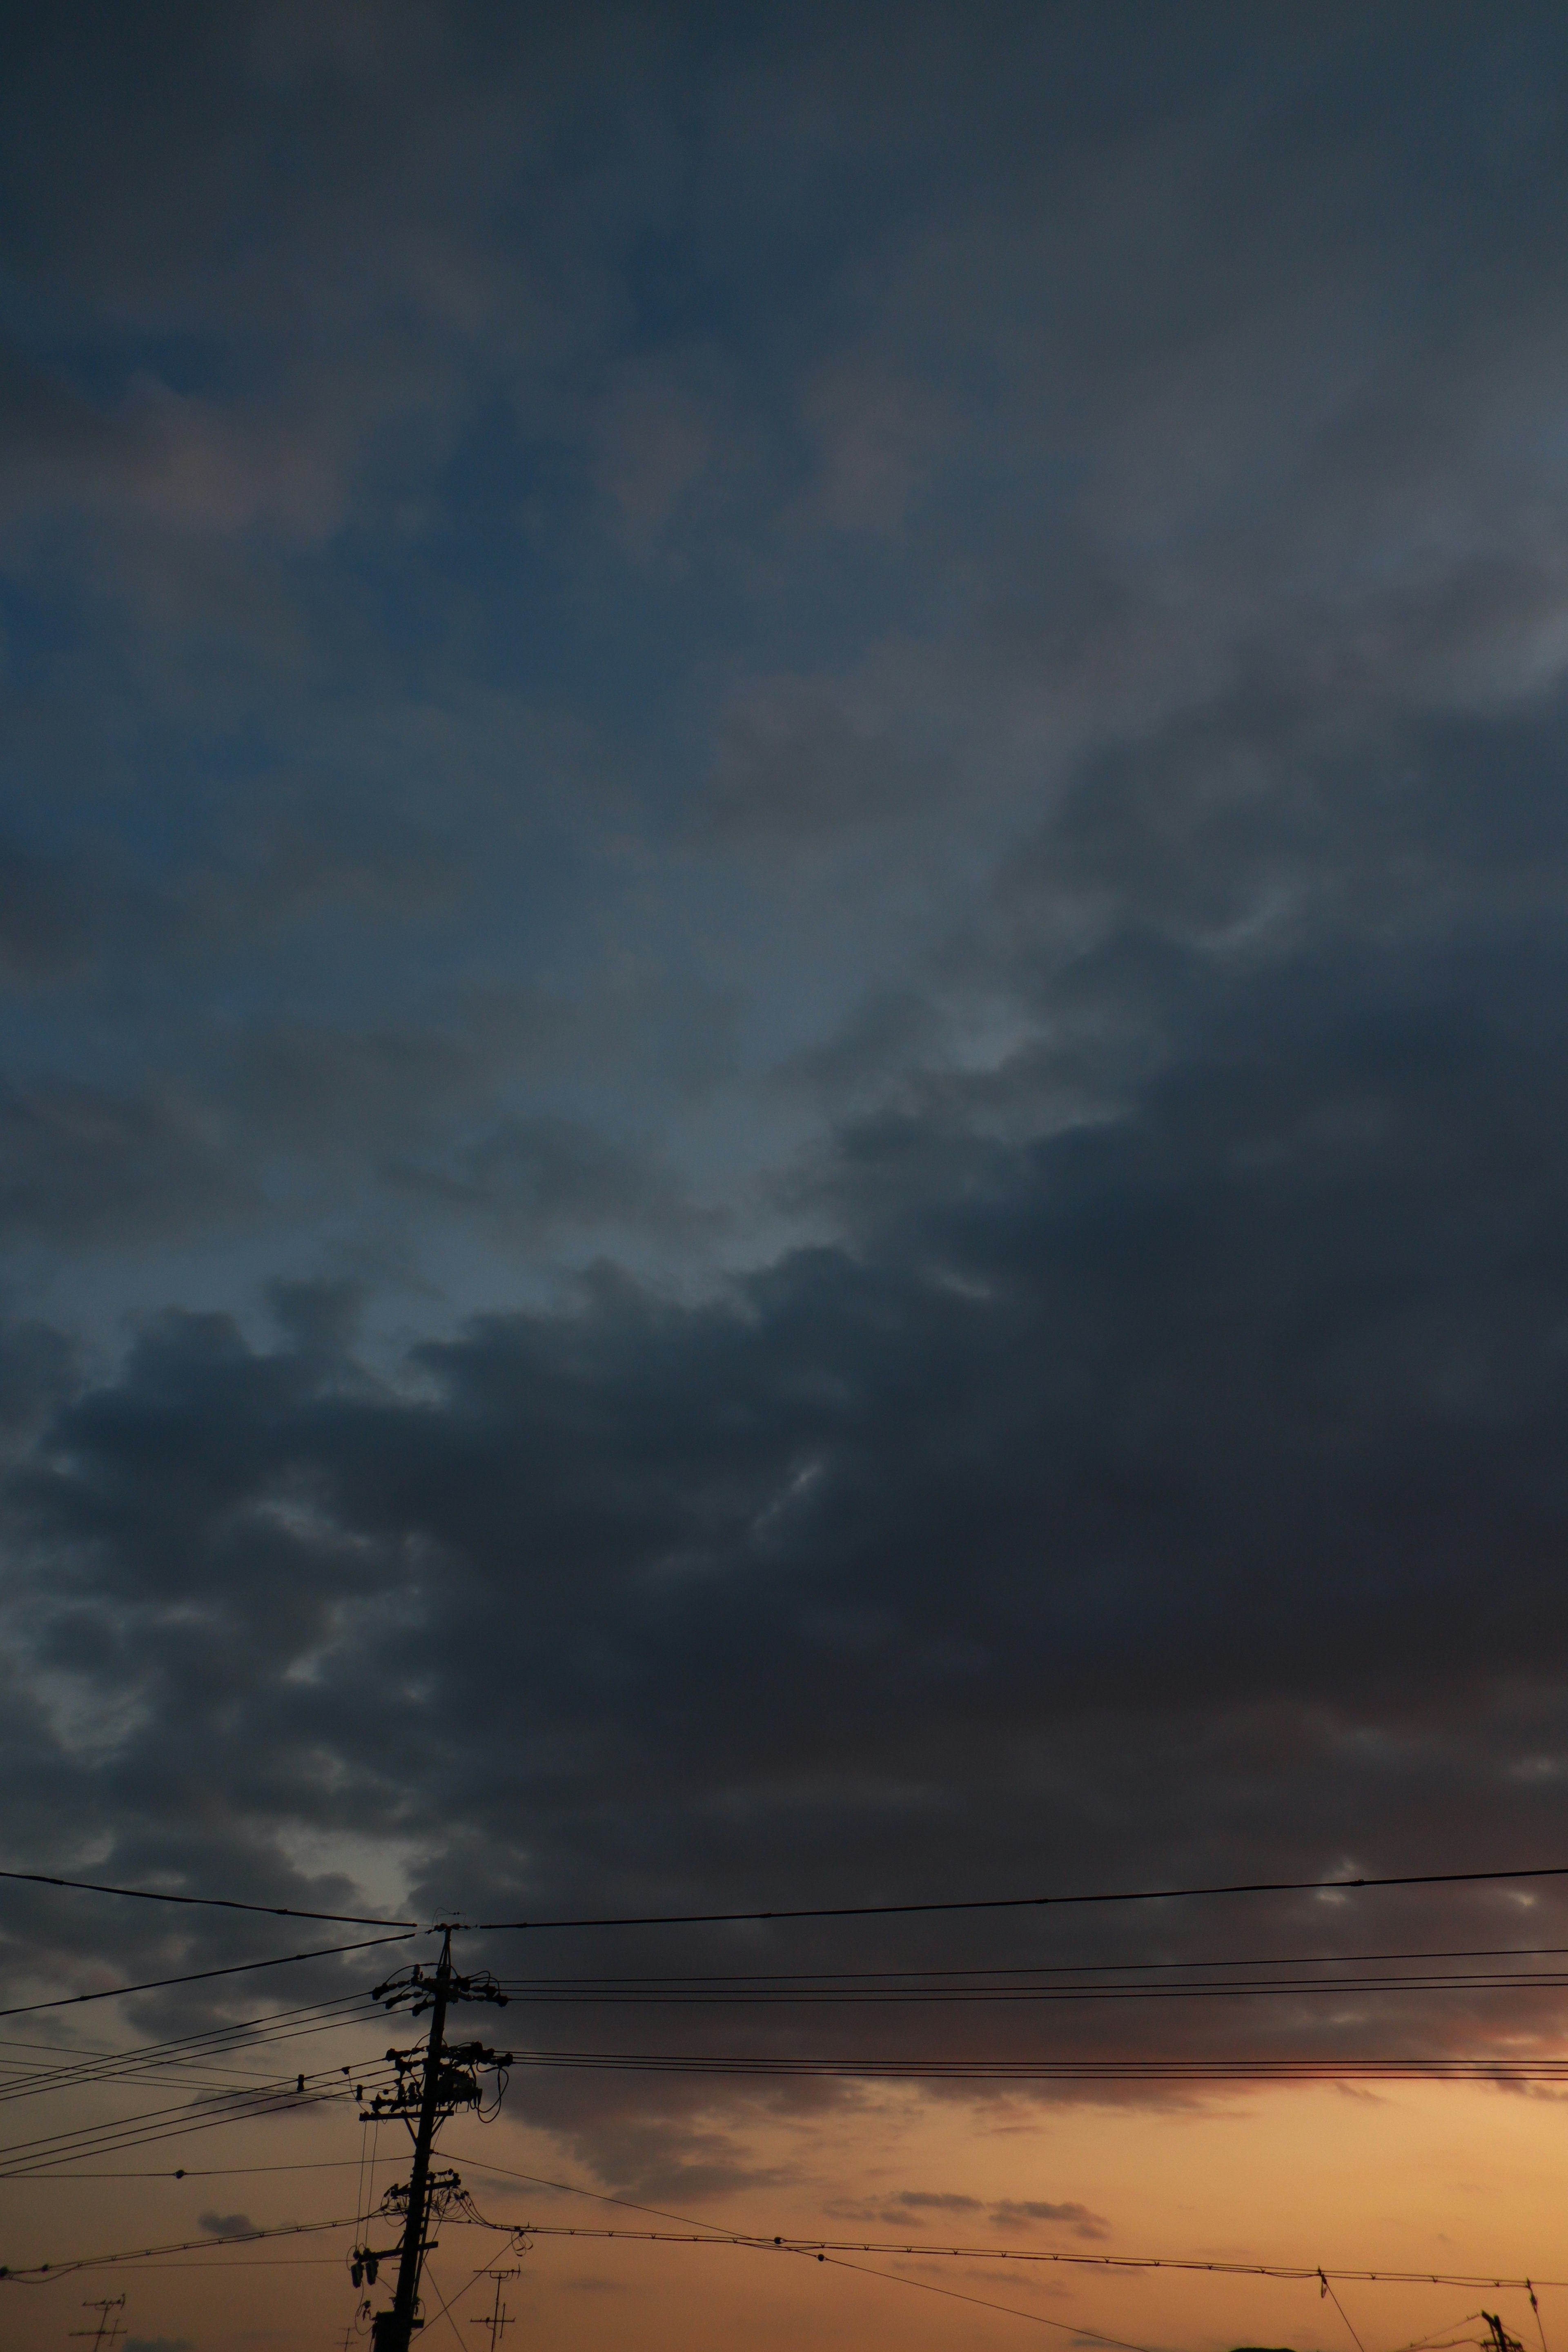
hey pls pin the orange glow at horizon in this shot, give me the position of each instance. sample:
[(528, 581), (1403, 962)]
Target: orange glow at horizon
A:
[(1456, 2178)]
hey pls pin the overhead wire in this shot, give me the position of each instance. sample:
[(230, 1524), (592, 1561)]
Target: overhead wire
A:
[(853, 1987), (1344, 2314), (1308, 2069), (983, 2303), (902, 1995), (1031, 1902), (203, 1976), (174, 2122), (203, 1902), (720, 2234), (35, 2274), (1050, 1968), (1440, 2341), (446, 2310), (198, 2172), (206, 2044), (1344, 1882), (834, 2251), (50, 2154)]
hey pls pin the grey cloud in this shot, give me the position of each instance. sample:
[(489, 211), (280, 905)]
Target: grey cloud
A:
[(1142, 1487), (225, 2225), (78, 1162), (1015, 2213)]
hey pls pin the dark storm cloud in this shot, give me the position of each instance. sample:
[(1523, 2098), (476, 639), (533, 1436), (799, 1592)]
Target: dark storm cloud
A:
[(924, 664), (1184, 1485)]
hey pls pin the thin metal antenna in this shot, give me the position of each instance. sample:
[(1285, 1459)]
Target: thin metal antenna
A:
[(109, 2329), (499, 2319)]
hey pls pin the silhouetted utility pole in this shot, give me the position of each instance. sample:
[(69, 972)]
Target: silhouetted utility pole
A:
[(1501, 2340), (109, 2329), (498, 2320), (431, 2085)]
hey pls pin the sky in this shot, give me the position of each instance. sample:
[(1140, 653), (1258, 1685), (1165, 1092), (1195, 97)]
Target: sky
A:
[(783, 1117)]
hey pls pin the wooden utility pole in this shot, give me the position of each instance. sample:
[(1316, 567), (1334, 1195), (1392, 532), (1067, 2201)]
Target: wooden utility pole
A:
[(394, 2328), (424, 2097)]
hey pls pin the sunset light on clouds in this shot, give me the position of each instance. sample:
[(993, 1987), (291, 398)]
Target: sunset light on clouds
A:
[(784, 837)]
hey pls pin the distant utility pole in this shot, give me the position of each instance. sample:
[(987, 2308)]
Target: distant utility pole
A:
[(431, 2085), (1501, 2341), (501, 2318), (110, 2327)]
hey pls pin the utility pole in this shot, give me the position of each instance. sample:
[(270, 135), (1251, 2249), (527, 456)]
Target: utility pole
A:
[(109, 2329), (501, 2318), (395, 2337), (426, 2094)]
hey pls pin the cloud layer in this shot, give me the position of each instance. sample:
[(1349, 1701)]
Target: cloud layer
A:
[(781, 894)]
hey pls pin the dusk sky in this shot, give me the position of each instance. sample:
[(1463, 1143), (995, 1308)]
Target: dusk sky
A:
[(784, 844)]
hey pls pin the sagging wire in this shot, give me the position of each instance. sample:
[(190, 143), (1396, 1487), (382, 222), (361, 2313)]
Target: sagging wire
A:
[(359, 2190), (718, 2234), (1325, 2289), (521, 2233), (1439, 2342), (41, 2273), (1536, 2308), (446, 2311), (1014, 2311), (203, 1976)]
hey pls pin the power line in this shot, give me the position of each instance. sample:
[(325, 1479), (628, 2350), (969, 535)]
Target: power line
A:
[(1067, 2070), (718, 2235), (202, 1976), (202, 2172), (228, 2106), (825, 2248), (1048, 1968), (205, 1901), (983, 2302), (247, 2033), (322, 2085), (907, 1995), (1030, 1902), (46, 2156), (204, 2065), (35, 2273), (825, 1911), (719, 2232)]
